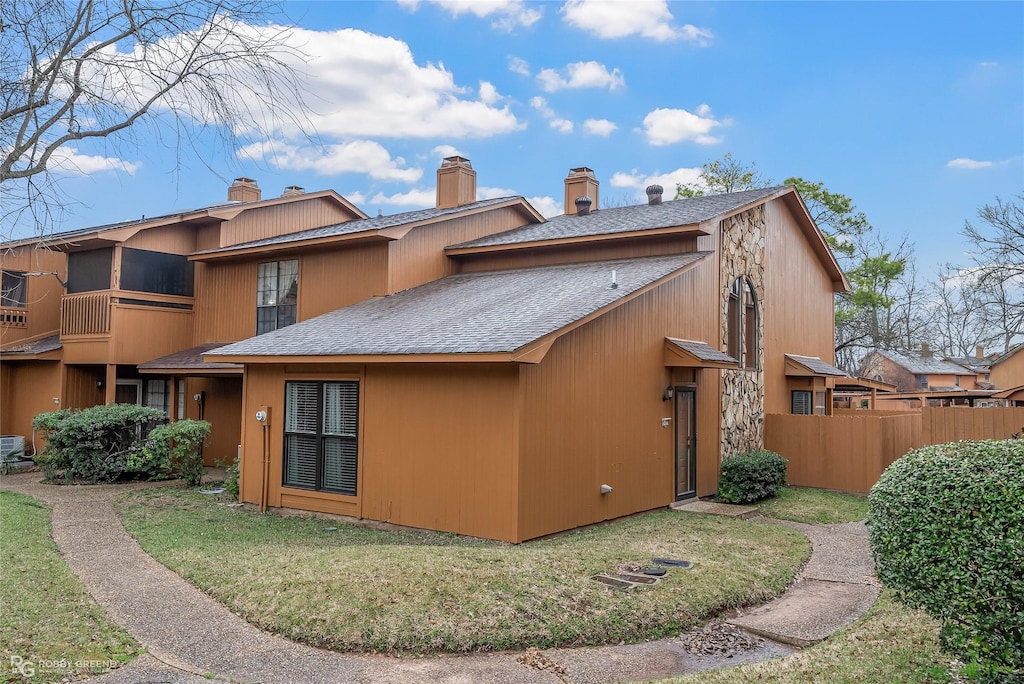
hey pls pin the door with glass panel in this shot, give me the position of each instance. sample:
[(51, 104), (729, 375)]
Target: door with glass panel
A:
[(686, 442)]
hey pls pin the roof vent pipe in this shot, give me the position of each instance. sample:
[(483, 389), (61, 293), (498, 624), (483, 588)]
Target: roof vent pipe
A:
[(583, 205), (654, 193)]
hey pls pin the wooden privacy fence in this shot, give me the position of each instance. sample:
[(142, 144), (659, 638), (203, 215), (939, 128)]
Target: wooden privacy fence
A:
[(848, 451)]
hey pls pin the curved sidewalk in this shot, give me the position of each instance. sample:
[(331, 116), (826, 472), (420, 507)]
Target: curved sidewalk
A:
[(192, 638)]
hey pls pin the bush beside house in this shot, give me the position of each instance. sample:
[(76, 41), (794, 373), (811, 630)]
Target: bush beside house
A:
[(116, 441), (751, 476), (947, 533)]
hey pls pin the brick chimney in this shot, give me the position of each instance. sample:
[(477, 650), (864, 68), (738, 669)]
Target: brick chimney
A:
[(244, 190), (579, 183), (979, 352), (456, 183)]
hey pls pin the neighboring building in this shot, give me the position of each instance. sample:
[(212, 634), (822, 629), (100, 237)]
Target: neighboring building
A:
[(1007, 374), (917, 373), (476, 369), (980, 363)]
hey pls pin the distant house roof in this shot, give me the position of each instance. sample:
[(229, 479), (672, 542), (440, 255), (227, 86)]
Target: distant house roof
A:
[(492, 312), (190, 362), (221, 210), (919, 365), (630, 219), (815, 366), (372, 225), (33, 347)]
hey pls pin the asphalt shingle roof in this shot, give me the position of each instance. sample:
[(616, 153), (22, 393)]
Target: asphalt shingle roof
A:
[(361, 225), (925, 366), (189, 359), (40, 346), (813, 363), (487, 312), (639, 217), (702, 350)]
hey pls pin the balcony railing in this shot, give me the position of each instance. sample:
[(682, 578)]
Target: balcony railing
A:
[(85, 314), (14, 317)]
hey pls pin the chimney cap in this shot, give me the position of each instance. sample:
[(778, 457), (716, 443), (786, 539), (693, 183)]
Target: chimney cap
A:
[(456, 160), (583, 203), (242, 180), (292, 190), (582, 171)]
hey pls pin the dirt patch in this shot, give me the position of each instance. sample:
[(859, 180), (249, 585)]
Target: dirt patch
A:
[(536, 659), (718, 639)]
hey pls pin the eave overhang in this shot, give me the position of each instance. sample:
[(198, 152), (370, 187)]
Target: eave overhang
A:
[(681, 354), (691, 229)]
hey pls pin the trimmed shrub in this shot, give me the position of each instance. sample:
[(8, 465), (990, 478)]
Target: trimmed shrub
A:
[(947, 533), (751, 476), (175, 450), (93, 444)]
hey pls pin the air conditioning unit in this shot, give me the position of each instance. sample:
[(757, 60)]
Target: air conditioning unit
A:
[(12, 448)]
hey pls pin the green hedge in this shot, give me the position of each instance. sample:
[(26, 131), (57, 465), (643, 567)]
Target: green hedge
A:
[(947, 533), (751, 476), (115, 441)]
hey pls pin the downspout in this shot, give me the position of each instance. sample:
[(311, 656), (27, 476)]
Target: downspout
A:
[(266, 469)]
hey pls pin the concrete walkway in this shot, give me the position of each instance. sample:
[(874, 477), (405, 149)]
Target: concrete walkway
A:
[(190, 638)]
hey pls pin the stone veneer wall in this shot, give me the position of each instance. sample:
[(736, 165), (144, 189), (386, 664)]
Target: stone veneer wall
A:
[(742, 254)]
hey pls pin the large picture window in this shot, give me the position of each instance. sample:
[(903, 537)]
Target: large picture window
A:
[(741, 323), (321, 436), (277, 288)]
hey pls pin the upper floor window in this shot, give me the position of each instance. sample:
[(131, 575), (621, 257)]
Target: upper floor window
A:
[(277, 288), (12, 289), (922, 380), (742, 323)]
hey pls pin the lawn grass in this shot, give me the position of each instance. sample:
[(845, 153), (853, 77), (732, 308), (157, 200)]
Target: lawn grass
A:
[(48, 619), (806, 505), (362, 589), (890, 643)]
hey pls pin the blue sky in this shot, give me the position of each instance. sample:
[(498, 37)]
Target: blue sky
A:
[(915, 110)]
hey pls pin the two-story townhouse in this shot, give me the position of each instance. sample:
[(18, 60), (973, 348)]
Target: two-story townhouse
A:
[(94, 304), (544, 376)]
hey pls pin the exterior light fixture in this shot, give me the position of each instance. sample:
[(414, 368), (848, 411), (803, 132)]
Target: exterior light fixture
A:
[(669, 393)]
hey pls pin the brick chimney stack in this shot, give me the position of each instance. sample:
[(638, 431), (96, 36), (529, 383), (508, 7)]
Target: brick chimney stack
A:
[(581, 182), (456, 183), (244, 190)]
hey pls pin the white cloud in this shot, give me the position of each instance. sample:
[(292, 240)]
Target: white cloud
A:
[(69, 160), (599, 127), (541, 105), (506, 14), (519, 66), (356, 197), (417, 199), (668, 126), (484, 192), (561, 125), (358, 156), (965, 163), (620, 19), (488, 93), (581, 75), (637, 181), (444, 151), (547, 206)]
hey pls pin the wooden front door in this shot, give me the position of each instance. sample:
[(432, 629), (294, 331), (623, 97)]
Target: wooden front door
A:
[(686, 442)]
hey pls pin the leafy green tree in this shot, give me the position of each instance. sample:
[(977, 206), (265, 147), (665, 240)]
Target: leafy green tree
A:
[(723, 175)]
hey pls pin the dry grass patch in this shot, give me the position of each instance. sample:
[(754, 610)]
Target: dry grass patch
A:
[(890, 643), (51, 630), (820, 506), (362, 589)]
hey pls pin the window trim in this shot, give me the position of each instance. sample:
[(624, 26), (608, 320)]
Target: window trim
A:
[(321, 436), (21, 288), (807, 396), (742, 323)]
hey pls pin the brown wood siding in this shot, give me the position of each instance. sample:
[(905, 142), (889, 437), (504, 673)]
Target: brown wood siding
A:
[(419, 256), (282, 219), (144, 333), (798, 307), (42, 293), (593, 409), (331, 279), (544, 256), (29, 388), (225, 302), (1009, 373), (438, 447), (952, 424), (174, 239), (80, 386), (222, 408)]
